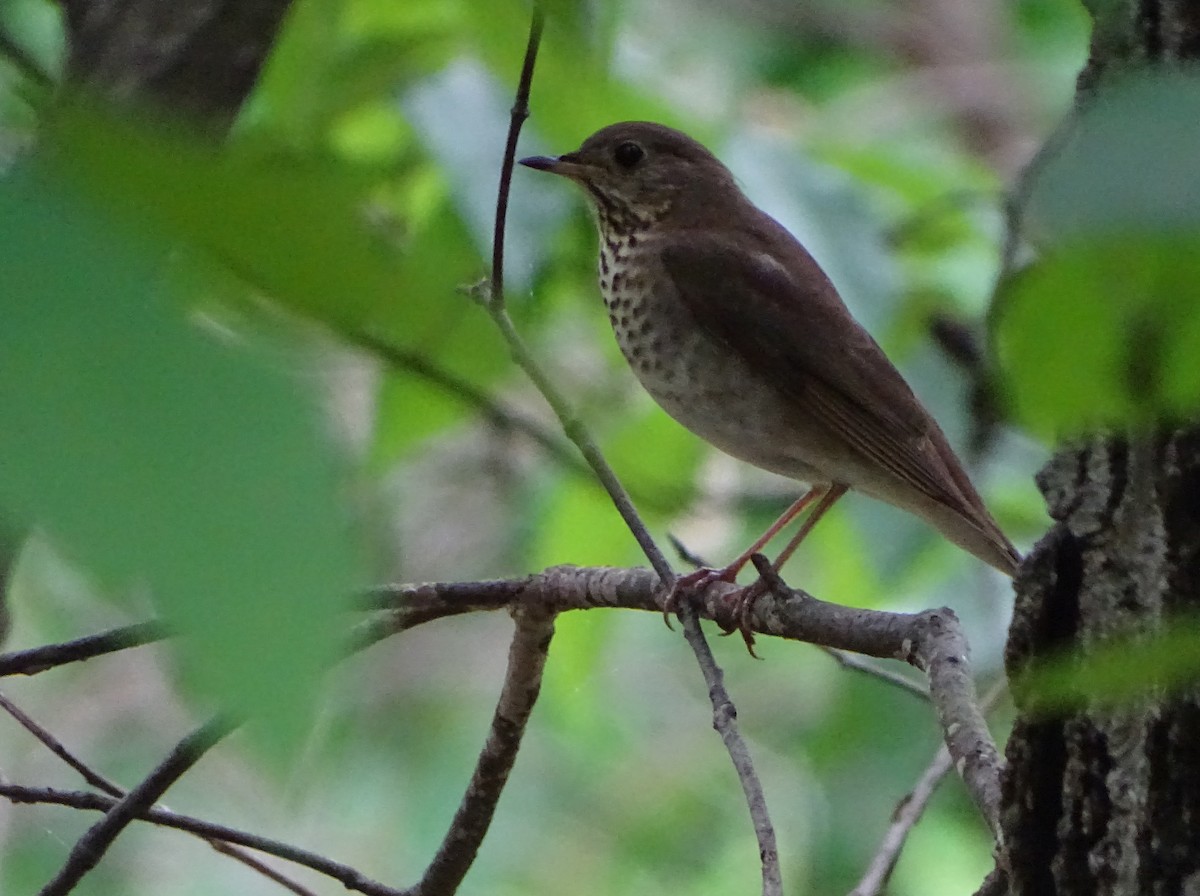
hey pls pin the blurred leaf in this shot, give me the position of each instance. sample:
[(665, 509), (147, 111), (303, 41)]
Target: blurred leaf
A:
[(412, 407), (1119, 671), (1104, 333), (295, 229), (434, 317), (1109, 318), (299, 231), (159, 456)]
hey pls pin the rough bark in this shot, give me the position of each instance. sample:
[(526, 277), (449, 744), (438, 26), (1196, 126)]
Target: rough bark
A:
[(1102, 800), (196, 58)]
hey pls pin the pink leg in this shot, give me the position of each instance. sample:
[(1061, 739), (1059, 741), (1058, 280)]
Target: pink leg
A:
[(786, 517), (746, 599), (827, 500), (728, 573)]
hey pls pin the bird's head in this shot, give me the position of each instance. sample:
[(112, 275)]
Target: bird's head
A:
[(637, 172)]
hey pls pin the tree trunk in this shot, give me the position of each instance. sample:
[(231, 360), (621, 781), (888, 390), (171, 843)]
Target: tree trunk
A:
[(1107, 800), (198, 58)]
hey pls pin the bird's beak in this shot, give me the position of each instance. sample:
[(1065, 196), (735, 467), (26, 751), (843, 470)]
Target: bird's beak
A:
[(567, 165)]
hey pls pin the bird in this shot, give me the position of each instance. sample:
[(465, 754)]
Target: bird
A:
[(737, 333)]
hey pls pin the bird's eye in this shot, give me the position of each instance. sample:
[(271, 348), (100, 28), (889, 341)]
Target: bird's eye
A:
[(628, 154)]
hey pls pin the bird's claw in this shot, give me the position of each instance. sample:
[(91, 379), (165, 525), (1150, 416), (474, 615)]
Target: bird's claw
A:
[(743, 605), (693, 583), (742, 600)]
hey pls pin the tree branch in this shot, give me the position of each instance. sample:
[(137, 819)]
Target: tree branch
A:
[(97, 780), (909, 811), (522, 683), (95, 842), (930, 641), (75, 799), (39, 659)]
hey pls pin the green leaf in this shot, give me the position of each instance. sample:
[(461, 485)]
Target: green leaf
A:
[(1104, 333), (295, 229), (160, 456), (299, 231)]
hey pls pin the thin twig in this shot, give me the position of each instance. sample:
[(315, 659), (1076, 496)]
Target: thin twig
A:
[(572, 427), (77, 799), (907, 813), (866, 667), (39, 659), (99, 837), (55, 746), (518, 114), (97, 780), (910, 810), (522, 682), (725, 723), (724, 712)]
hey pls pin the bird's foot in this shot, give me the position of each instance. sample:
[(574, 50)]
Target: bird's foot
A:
[(769, 580), (693, 583), (741, 601), (743, 606)]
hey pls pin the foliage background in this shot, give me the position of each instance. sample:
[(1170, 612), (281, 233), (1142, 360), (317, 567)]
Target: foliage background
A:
[(357, 200)]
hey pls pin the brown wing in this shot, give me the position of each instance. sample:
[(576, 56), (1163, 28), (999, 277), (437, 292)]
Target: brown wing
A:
[(808, 346)]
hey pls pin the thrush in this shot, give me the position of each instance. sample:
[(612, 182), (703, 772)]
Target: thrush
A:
[(736, 331)]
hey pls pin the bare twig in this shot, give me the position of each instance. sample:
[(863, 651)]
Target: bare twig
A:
[(725, 724), (572, 427), (866, 667), (102, 783), (96, 840), (910, 810), (55, 746), (522, 682), (39, 659), (518, 114), (76, 799), (903, 820)]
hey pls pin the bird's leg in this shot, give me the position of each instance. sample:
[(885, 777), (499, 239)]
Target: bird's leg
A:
[(703, 577), (746, 598)]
